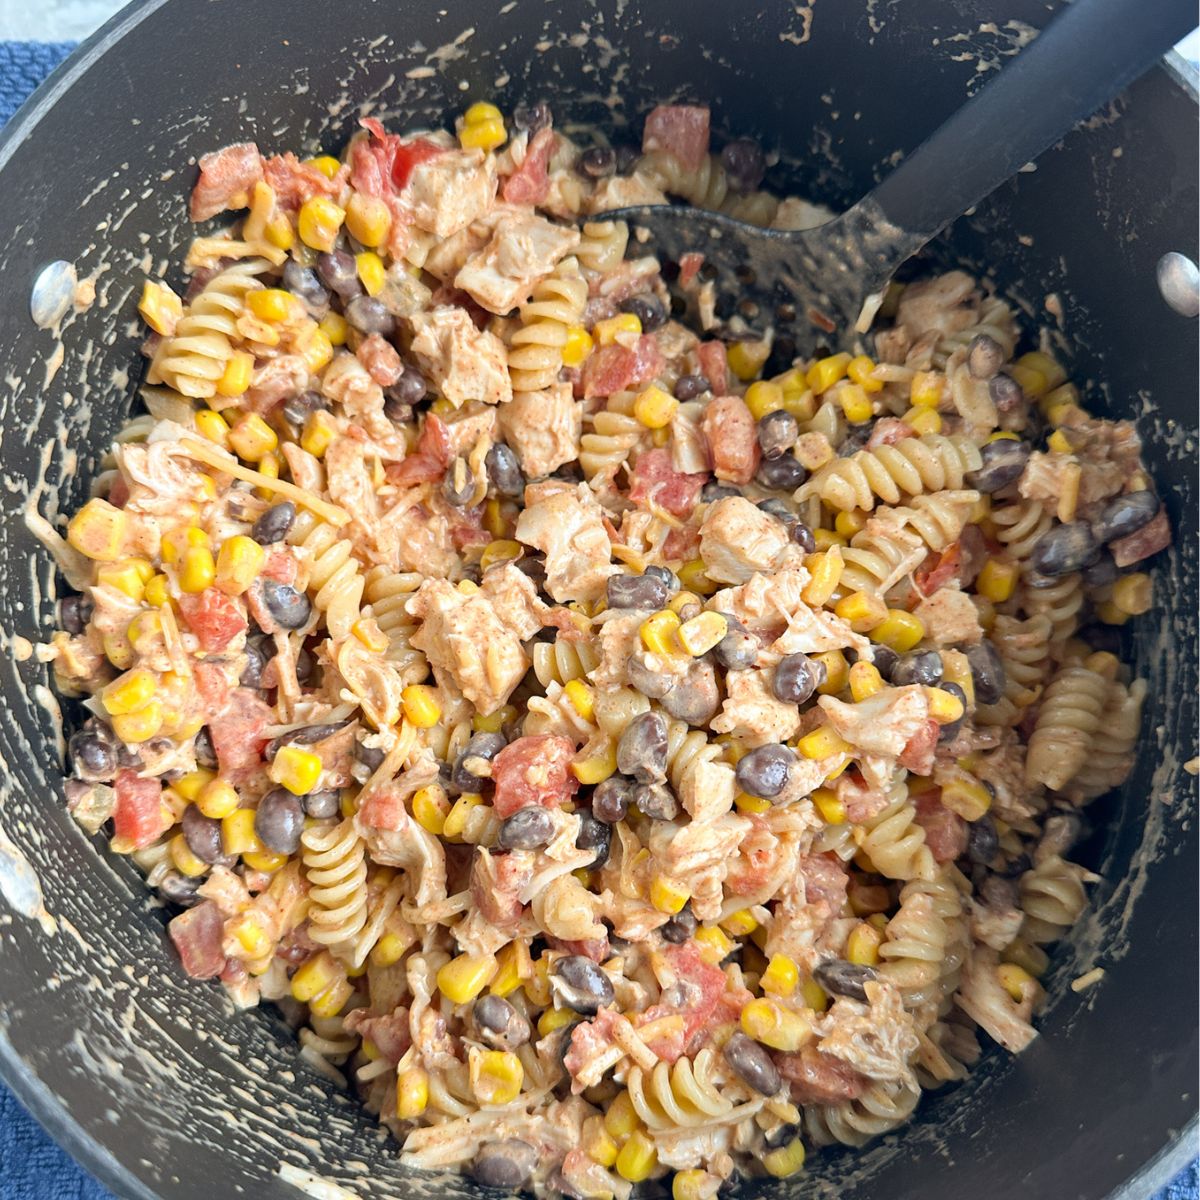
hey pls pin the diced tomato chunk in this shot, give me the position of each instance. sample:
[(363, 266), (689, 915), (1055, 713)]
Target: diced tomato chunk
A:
[(237, 732), (648, 360), (215, 618), (945, 831), (380, 359), (682, 544), (732, 437), (429, 460), (137, 809), (409, 156), (1141, 543), (679, 129), (917, 755), (533, 770), (714, 366), (295, 182), (818, 1078), (198, 934), (610, 369), (530, 183), (280, 565), (655, 479), (938, 569), (118, 494), (211, 684), (226, 178)]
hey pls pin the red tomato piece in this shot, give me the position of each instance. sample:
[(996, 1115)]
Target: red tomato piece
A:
[(689, 267), (533, 770), (888, 431), (198, 934), (655, 479), (215, 619), (295, 182), (1154, 536), (938, 569), (137, 809), (390, 1034), (917, 755), (380, 359), (647, 360), (732, 437), (610, 369), (212, 685), (237, 732), (714, 366), (682, 130), (429, 460), (682, 544), (409, 156), (530, 182), (280, 564), (226, 177), (118, 494), (945, 831), (818, 1078)]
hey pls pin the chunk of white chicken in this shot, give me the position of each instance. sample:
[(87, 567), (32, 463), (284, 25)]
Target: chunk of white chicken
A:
[(463, 363), (950, 618), (450, 190), (523, 249), (882, 723), (568, 527), (737, 539), (543, 428)]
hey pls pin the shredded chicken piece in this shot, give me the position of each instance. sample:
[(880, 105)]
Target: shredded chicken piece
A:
[(568, 527)]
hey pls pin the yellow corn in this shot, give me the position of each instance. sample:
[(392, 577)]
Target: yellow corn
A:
[(654, 408), (217, 799), (318, 973), (862, 946), (235, 379), (825, 538), (956, 668), (997, 580), (315, 348), (119, 652), (456, 818), (637, 1158), (238, 564), (746, 359), (157, 591), (144, 628), (855, 402), (296, 769), (752, 804), (463, 978), (823, 742), (390, 948), (1016, 981), (332, 1000), (334, 327), (825, 572), (700, 634), (837, 672), (814, 996), (598, 766), (496, 1076), (97, 531), (1111, 614), (272, 304), (825, 372), (367, 631), (368, 219), (482, 135), (621, 1119), (682, 599), (325, 163), (596, 1142), (193, 783), (421, 706), (139, 726), (160, 307), (125, 577), (430, 808), (924, 420), (781, 976), (1134, 593), (493, 722), (198, 570), (319, 432), (251, 437), (693, 577), (1027, 955), (926, 389), (860, 369), (659, 633), (500, 551), (667, 894), (944, 707), (186, 863), (847, 524), (899, 630), (237, 832), (784, 1161), (318, 223), (1037, 373), (967, 797), (739, 924), (508, 970), (131, 691), (865, 681), (279, 232), (412, 1093), (371, 272), (251, 936), (214, 427), (774, 1026), (763, 397), (832, 810), (176, 545), (577, 347), (581, 698), (494, 520), (554, 1018), (714, 944), (862, 610), (605, 332)]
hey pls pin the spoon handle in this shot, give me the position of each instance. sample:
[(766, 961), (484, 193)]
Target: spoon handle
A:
[(1079, 62)]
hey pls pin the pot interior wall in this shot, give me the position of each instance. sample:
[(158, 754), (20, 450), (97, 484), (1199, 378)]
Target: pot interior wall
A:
[(172, 1093)]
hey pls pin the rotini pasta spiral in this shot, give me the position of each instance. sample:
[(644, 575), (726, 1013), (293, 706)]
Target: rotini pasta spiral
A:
[(895, 843), (606, 446), (881, 1108), (1068, 717), (1060, 601), (687, 749), (1052, 898), (561, 661), (875, 562), (1110, 756), (1019, 525), (388, 592), (913, 949), (680, 1094), (334, 579), (1024, 649), (335, 866), (535, 352), (602, 245), (706, 187), (995, 319)]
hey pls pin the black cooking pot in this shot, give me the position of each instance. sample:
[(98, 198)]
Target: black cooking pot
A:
[(153, 1081)]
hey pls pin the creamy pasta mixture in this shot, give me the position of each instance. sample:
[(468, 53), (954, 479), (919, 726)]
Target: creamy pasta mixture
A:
[(624, 749)]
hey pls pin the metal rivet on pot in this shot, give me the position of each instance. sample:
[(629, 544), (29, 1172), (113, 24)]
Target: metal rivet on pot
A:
[(1179, 283), (53, 293)]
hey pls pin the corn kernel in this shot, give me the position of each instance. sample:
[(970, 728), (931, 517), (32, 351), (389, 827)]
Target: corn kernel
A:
[(781, 976), (926, 389), (198, 570), (508, 973), (463, 978), (496, 1076), (598, 766), (621, 1119), (865, 681), (966, 797), (825, 572), (193, 783), (1111, 614), (701, 633), (160, 307), (605, 332), (318, 223), (581, 698), (237, 832), (739, 924), (334, 327), (315, 348), (779, 1028), (944, 707), (482, 135), (823, 742), (654, 408), (186, 863), (863, 612), (139, 726), (175, 545), (272, 304), (421, 706), (1037, 373), (214, 427), (124, 577), (238, 564), (251, 437), (668, 895), (251, 936), (318, 973), (494, 722), (862, 946), (97, 531), (430, 808), (923, 420), (368, 219), (847, 524), (1134, 593), (814, 996), (296, 769), (693, 577), (456, 818), (997, 580), (332, 1000), (554, 1018), (837, 672), (763, 397), (390, 948), (500, 551), (279, 232), (412, 1093), (826, 802), (1027, 955), (751, 804), (130, 692), (119, 652), (682, 599), (371, 272), (659, 633), (713, 943), (825, 372), (235, 379), (577, 347), (784, 1161), (217, 799), (899, 631), (855, 402), (367, 631), (637, 1158), (325, 163), (1016, 981), (157, 591), (319, 432), (596, 1142), (746, 359), (860, 369)]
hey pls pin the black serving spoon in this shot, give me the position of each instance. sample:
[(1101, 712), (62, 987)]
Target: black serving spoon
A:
[(1083, 59)]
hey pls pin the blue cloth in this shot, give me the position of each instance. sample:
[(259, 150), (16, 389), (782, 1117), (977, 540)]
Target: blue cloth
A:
[(34, 1167)]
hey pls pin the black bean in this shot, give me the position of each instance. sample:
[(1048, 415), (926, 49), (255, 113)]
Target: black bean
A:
[(306, 666), (273, 526), (323, 804), (499, 1023), (987, 672), (681, 927), (279, 821), (855, 440), (695, 698), (74, 612), (339, 273), (985, 356), (691, 387), (202, 834), (306, 735), (775, 507), (527, 829), (295, 409), (1101, 572), (777, 432), (637, 591), (1063, 549), (752, 1064), (370, 756), (504, 471), (650, 681), (179, 889), (259, 651), (458, 484), (841, 978), (1016, 867), (409, 390), (781, 1135), (288, 607), (803, 537), (744, 163), (305, 285), (657, 801), (737, 650), (1005, 392), (532, 117), (713, 491), (1124, 515), (598, 162), (795, 678), (507, 1164), (648, 310), (885, 660), (1003, 461), (950, 731), (583, 985), (626, 157), (707, 273), (925, 668), (612, 798), (764, 771), (642, 750), (595, 835), (480, 749), (368, 316), (783, 473), (666, 575), (93, 756), (983, 842), (202, 748)]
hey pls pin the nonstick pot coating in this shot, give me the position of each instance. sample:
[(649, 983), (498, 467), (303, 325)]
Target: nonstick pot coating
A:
[(154, 1081)]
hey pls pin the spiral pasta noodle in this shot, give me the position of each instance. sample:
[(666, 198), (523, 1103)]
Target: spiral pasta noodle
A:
[(1020, 525), (855, 1122), (336, 869), (535, 351), (677, 1095), (602, 245), (1053, 898), (706, 187), (1110, 756), (561, 661), (913, 950), (387, 592), (1060, 601), (895, 843), (1068, 717), (334, 578), (605, 448)]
